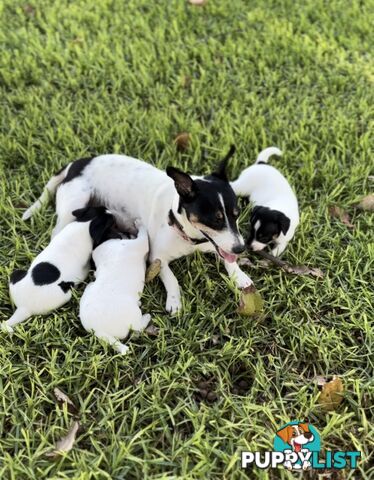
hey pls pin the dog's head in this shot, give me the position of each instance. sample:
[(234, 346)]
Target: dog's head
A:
[(296, 435), (266, 225), (209, 204), (101, 220)]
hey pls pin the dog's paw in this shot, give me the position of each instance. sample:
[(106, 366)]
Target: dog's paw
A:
[(6, 328), (242, 280), (122, 349), (173, 304)]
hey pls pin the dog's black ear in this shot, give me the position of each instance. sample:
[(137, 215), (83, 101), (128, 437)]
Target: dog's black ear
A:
[(99, 228), (184, 184), (80, 212), (284, 223), (256, 212), (221, 171)]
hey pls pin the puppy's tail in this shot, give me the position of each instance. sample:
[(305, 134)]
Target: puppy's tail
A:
[(263, 157), (49, 190)]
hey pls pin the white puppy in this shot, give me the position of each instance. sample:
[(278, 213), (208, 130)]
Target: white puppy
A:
[(110, 305), (47, 284), (275, 215)]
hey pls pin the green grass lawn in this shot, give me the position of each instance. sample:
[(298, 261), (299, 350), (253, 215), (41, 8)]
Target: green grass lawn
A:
[(127, 76)]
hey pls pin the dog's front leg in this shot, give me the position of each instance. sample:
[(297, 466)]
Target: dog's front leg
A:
[(241, 279), (173, 299)]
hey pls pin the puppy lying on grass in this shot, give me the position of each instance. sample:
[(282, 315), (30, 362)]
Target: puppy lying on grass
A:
[(110, 305), (47, 284), (275, 213)]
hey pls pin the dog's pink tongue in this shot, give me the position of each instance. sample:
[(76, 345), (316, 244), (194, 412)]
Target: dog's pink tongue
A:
[(229, 257), (297, 447)]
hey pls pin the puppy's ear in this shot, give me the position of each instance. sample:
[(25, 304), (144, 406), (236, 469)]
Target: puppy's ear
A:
[(256, 212), (284, 223), (285, 434), (80, 212), (221, 171), (99, 228), (184, 184)]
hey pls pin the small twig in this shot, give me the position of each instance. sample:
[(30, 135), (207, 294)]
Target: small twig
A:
[(271, 258)]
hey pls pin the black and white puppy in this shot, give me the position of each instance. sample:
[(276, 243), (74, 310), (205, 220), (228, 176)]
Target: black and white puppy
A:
[(182, 213), (47, 284), (110, 306), (275, 215)]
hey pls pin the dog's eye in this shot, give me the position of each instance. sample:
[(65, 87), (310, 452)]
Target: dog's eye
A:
[(219, 215)]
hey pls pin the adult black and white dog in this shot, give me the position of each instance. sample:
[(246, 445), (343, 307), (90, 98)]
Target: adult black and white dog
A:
[(47, 284), (275, 213), (181, 213)]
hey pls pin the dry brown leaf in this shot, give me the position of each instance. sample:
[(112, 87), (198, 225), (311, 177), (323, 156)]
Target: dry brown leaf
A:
[(367, 203), (304, 270), (342, 215), (63, 398), (295, 269), (332, 394), (197, 2), (182, 141), (153, 270), (152, 330), (66, 443)]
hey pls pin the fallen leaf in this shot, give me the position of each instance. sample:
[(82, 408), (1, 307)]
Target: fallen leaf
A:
[(63, 398), (295, 269), (304, 270), (332, 394), (343, 216), (153, 270), (367, 203), (197, 2), (182, 141), (152, 330), (29, 10), (250, 302), (66, 443)]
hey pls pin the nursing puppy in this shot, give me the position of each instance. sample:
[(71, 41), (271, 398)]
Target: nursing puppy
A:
[(110, 305), (47, 284), (275, 215), (182, 214)]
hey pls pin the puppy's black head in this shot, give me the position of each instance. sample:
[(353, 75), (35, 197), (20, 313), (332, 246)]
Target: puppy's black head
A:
[(102, 221), (265, 227), (210, 206)]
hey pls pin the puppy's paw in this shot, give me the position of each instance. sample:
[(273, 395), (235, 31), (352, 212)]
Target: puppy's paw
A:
[(122, 349), (6, 328), (173, 304)]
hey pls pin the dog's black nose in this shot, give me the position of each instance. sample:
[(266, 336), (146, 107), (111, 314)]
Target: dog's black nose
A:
[(308, 435), (238, 248)]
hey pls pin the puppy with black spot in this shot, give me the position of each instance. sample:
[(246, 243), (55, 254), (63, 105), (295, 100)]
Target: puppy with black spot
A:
[(47, 284), (110, 306), (275, 213)]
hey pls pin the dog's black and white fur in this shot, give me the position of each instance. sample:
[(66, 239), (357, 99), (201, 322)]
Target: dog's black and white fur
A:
[(275, 213), (47, 284), (110, 305), (181, 213)]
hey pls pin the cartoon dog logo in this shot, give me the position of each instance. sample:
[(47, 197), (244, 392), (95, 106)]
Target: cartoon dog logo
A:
[(297, 436)]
